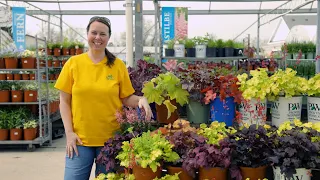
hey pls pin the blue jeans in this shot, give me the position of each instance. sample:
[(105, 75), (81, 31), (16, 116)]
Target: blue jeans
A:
[(79, 167)]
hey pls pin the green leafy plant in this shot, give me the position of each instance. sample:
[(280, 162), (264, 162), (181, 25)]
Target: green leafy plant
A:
[(314, 86), (229, 44), (4, 116), (170, 43), (114, 176), (17, 117), (189, 43), (30, 124), (220, 43), (5, 85), (147, 151), (169, 177), (164, 88), (30, 86), (286, 83)]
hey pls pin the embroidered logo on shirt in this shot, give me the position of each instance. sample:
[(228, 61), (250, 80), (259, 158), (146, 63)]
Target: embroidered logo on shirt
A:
[(110, 77)]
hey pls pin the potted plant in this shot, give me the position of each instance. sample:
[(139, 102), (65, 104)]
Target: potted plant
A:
[(313, 93), (5, 87), (50, 48), (65, 47), (215, 132), (72, 48), (255, 90), (223, 96), (184, 142), (286, 91), (16, 92), (79, 48), (179, 48), (200, 47), (4, 129), (175, 176), (28, 59), (30, 91), (145, 155), (296, 150), (238, 48), (166, 90), (252, 146), (30, 129), (229, 48), (57, 49), (115, 176), (15, 123), (169, 51), (190, 47), (220, 48), (10, 55)]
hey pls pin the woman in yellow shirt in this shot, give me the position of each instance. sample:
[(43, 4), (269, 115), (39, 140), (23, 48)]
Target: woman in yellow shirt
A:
[(93, 86)]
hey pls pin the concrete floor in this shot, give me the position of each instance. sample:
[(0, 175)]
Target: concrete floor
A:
[(45, 163)]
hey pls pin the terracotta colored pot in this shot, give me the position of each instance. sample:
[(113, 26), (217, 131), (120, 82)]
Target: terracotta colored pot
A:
[(51, 77), (32, 76), (49, 63), (56, 51), (253, 173), (28, 63), (16, 96), (16, 76), (213, 173), (25, 76), (4, 134), (2, 64), (162, 113), (11, 63), (4, 96), (9, 76), (56, 63), (42, 63), (65, 51), (3, 76), (63, 62), (49, 51), (145, 173), (183, 175), (30, 96), (30, 134), (79, 51), (56, 76), (15, 134), (72, 51)]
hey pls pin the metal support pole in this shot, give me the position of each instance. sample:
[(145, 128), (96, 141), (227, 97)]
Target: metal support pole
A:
[(318, 38), (157, 59), (138, 31), (61, 29), (49, 32), (129, 34), (258, 37)]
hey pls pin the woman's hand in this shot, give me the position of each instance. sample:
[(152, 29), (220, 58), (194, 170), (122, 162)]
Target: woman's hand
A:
[(72, 139), (143, 103)]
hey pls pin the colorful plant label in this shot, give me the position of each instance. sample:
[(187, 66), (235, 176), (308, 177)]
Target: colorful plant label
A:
[(253, 112)]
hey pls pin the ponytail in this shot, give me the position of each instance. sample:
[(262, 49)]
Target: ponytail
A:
[(110, 57)]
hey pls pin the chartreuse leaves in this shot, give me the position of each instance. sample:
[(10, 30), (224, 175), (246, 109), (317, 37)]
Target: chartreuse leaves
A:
[(164, 88), (147, 151)]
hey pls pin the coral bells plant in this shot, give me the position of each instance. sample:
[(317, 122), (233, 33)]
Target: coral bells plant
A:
[(296, 145), (314, 86), (286, 83), (147, 151)]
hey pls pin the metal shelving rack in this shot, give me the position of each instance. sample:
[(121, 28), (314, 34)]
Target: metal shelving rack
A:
[(45, 125)]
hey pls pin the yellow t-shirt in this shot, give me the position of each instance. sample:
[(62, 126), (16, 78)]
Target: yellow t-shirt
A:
[(96, 90)]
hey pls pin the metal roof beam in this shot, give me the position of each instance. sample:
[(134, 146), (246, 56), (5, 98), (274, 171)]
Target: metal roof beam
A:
[(88, 1), (152, 12)]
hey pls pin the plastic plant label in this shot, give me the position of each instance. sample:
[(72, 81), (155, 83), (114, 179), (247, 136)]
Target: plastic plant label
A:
[(16, 133), (25, 61), (31, 95), (15, 96)]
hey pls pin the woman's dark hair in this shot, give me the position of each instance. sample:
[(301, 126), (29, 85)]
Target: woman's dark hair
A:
[(111, 58)]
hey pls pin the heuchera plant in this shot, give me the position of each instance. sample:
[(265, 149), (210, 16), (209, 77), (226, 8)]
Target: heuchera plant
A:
[(252, 147), (147, 151), (314, 86), (208, 156), (296, 145), (164, 88), (142, 73)]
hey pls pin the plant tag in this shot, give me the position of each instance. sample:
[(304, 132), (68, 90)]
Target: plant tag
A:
[(25, 61), (16, 133), (15, 96), (31, 95)]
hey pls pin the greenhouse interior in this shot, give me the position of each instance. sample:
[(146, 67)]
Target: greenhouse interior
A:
[(166, 82)]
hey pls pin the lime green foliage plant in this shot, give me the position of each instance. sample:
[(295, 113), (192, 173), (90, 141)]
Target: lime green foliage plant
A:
[(164, 88), (215, 132), (256, 86), (169, 177), (314, 86), (147, 151), (286, 83), (114, 176)]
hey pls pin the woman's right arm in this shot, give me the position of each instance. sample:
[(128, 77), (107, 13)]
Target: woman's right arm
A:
[(65, 111)]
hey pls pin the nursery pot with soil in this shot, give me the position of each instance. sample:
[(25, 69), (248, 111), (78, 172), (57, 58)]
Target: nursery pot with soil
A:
[(162, 113)]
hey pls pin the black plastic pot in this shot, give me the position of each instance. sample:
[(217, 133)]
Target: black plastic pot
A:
[(211, 52), (191, 52), (238, 52), (169, 52), (229, 52), (220, 52)]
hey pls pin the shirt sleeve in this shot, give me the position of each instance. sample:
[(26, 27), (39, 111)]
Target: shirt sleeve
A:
[(126, 88), (65, 80)]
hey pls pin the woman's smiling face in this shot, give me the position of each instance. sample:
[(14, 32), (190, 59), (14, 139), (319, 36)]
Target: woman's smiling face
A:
[(98, 36)]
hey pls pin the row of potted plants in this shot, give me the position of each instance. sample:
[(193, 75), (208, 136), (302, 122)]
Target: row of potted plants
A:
[(17, 124), (143, 148), (307, 49), (17, 75), (202, 47), (11, 91), (65, 48)]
